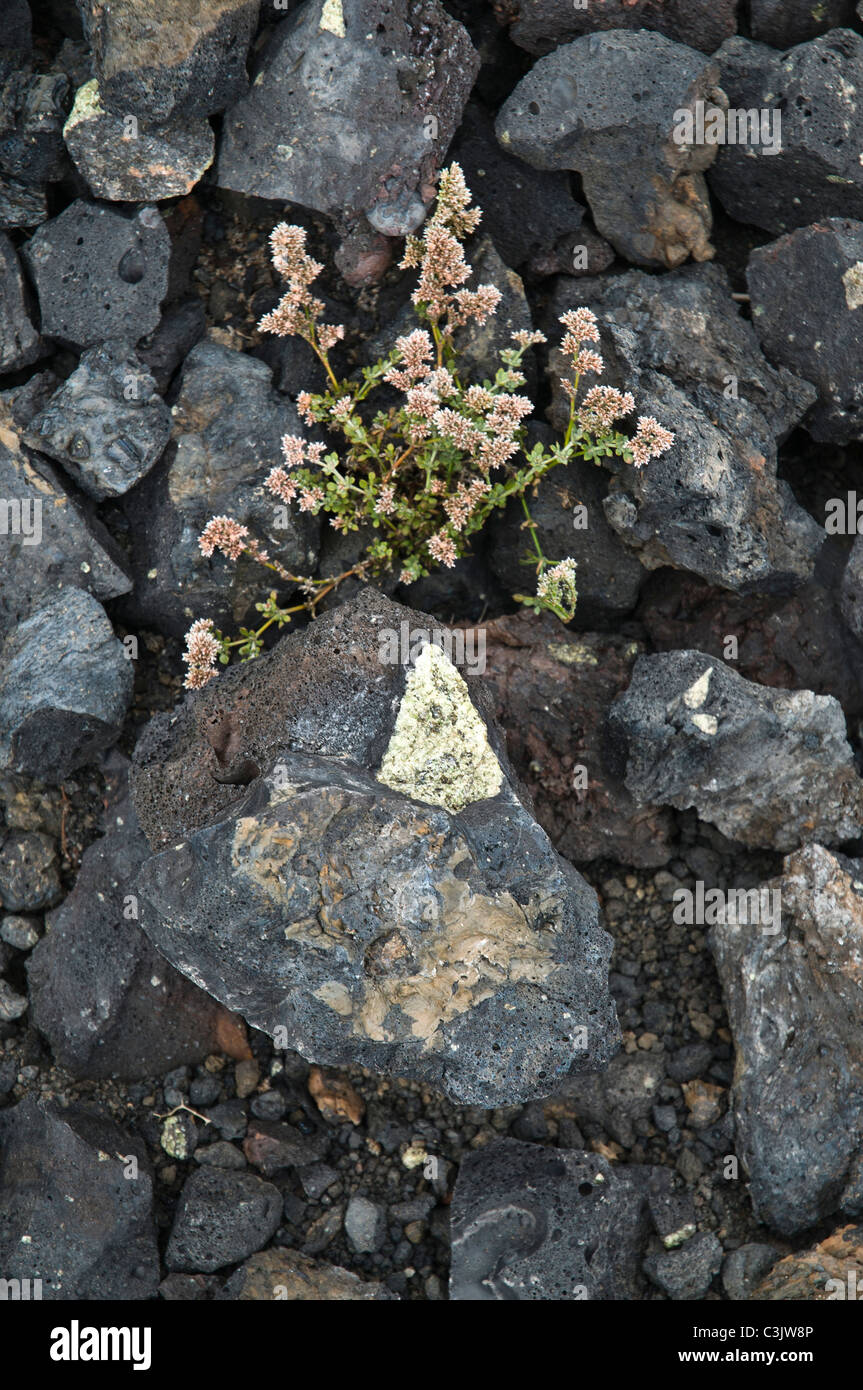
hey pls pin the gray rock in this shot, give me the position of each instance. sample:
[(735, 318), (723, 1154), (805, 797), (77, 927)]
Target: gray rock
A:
[(56, 715), (29, 876), (21, 205), (807, 308), (352, 110), (794, 1002), (575, 110), (851, 589), (271, 1146), (12, 1004), (20, 344), (125, 160), (49, 542), (33, 107), (179, 329), (227, 429), (532, 1223), (515, 987), (817, 172), (687, 1273), (292, 1277), (222, 1217), (163, 63), (541, 25), (769, 768), (743, 1269), (221, 1155), (365, 1225), (106, 424), (99, 273), (21, 932), (53, 1201), (619, 1100), (782, 23)]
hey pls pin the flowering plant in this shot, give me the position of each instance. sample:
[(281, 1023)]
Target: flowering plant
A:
[(426, 472)]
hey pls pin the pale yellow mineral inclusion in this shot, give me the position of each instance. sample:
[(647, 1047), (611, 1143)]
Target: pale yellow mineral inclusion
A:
[(439, 751)]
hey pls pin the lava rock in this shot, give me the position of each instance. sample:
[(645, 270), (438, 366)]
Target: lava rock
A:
[(290, 1276), (532, 1223), (55, 715), (271, 1146), (832, 1269), (52, 543), (227, 426), (187, 60), (20, 344), (768, 768), (518, 988), (743, 1269), (365, 1225), (33, 107), (221, 1218), (352, 110), (541, 25), (814, 171), (99, 273), (21, 205), (807, 308), (126, 161), (21, 932), (619, 1100), (29, 876), (687, 1273), (575, 110), (794, 1000), (106, 424), (107, 1002), (179, 329), (552, 689), (89, 1228), (783, 23)]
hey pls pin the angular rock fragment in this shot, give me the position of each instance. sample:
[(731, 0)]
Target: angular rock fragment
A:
[(29, 875), (352, 110), (106, 424), (21, 205), (768, 767), (805, 162), (288, 1275), (99, 273), (575, 110), (794, 1001), (19, 342), (47, 540), (807, 308), (221, 1218), (542, 25), (832, 1270), (33, 107), (125, 160), (782, 23), (227, 429), (531, 1223), (107, 1002), (687, 1273), (352, 922), (163, 62), (55, 715), (70, 1215)]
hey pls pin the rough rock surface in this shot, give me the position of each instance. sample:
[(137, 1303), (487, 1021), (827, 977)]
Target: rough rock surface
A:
[(794, 1001), (127, 161), (99, 274), (19, 342), (90, 1230), (107, 1002), (832, 1269), (352, 110), (530, 1223), (20, 204), (575, 110), (817, 171), (106, 424), (542, 25), (222, 1217), (783, 23), (33, 107), (51, 542), (451, 945), (227, 428), (160, 63), (289, 1276), (767, 767), (807, 308), (56, 714)]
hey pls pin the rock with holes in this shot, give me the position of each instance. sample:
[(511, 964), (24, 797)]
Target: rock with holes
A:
[(541, 25), (532, 1223), (605, 106), (794, 995), (106, 424), (806, 293), (352, 110), (71, 1215), (125, 160), (792, 154), (99, 273), (222, 1218), (341, 853), (768, 767)]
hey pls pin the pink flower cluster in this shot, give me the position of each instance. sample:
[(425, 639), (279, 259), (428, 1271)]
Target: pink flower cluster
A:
[(202, 650), (296, 452), (298, 311), (440, 258)]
